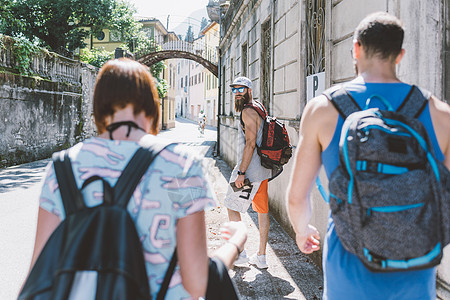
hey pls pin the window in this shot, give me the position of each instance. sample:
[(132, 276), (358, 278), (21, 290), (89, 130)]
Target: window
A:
[(244, 59), (181, 82), (101, 36), (315, 38), (266, 67)]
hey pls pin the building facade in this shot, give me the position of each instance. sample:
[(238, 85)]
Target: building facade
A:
[(197, 86), (158, 32), (197, 90), (292, 50), (154, 29), (211, 39), (182, 90), (106, 39)]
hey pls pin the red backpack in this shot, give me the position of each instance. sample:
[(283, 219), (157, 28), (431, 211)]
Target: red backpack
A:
[(275, 149)]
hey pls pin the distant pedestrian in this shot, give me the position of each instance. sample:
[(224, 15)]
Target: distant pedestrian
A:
[(167, 206), (201, 122), (377, 49), (249, 167)]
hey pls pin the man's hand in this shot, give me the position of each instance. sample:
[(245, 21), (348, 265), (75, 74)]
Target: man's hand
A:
[(309, 241), (239, 182)]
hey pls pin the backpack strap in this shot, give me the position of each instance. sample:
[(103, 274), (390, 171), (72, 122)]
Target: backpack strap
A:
[(70, 194), (108, 192), (415, 102), (127, 183), (168, 276), (260, 109), (342, 101), (133, 172)]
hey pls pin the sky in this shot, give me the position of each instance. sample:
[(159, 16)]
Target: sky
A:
[(179, 11)]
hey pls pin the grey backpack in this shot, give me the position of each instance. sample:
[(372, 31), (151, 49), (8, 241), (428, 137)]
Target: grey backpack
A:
[(389, 196)]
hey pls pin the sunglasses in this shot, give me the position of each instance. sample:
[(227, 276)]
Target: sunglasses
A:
[(240, 90)]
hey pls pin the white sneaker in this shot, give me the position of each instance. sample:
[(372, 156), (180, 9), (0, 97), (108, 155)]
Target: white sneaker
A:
[(242, 258), (259, 261)]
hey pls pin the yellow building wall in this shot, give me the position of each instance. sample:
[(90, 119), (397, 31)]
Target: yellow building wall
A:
[(110, 41)]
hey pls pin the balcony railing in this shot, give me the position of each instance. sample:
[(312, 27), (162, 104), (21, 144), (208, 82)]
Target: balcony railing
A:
[(45, 64)]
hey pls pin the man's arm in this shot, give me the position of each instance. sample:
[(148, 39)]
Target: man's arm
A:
[(440, 116), (250, 118), (307, 161)]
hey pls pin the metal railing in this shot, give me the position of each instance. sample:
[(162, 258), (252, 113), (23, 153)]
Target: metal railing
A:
[(198, 48)]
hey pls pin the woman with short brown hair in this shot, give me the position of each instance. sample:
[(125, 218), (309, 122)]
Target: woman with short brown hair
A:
[(167, 206)]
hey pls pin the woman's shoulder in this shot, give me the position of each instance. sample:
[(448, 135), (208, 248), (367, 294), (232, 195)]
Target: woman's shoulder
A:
[(172, 154)]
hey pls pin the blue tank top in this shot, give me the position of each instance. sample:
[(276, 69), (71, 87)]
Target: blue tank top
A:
[(345, 277)]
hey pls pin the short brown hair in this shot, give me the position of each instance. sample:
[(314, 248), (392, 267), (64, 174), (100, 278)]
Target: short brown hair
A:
[(121, 82), (380, 34)]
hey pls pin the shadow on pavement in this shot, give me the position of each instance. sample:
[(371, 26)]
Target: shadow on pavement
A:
[(301, 269), (22, 176), (252, 290)]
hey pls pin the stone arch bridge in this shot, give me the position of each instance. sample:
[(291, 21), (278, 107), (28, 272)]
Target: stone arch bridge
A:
[(198, 52)]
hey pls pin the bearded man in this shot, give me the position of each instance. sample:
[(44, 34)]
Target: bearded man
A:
[(254, 190)]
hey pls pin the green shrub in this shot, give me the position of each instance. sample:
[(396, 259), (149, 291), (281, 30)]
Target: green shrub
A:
[(96, 57), (23, 52)]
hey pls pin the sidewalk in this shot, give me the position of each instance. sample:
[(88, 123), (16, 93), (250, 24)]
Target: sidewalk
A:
[(291, 275), (185, 120)]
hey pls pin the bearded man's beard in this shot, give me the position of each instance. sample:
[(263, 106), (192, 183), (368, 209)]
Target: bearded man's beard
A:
[(240, 102)]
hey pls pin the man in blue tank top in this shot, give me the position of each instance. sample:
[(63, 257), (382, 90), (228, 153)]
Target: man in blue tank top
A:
[(377, 49)]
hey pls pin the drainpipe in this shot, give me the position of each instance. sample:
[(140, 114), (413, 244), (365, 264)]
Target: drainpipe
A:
[(162, 106), (219, 97), (272, 56)]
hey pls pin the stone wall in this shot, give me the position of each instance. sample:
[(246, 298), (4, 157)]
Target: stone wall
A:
[(43, 112), (287, 85)]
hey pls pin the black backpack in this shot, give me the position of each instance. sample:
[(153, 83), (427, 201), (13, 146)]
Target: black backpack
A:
[(275, 149), (102, 239), (389, 196)]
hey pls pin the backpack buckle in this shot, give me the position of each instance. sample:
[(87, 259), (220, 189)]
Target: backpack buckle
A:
[(371, 166), (374, 259), (363, 135)]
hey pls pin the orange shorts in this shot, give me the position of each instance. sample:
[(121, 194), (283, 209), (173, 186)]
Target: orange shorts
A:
[(260, 202)]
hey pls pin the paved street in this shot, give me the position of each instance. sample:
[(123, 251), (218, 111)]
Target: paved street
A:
[(290, 274)]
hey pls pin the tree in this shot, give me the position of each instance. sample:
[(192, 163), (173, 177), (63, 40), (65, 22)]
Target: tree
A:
[(203, 24), (123, 20), (189, 35), (64, 24), (142, 43), (96, 57)]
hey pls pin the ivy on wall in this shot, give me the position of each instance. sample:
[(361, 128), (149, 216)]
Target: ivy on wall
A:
[(162, 87), (22, 51)]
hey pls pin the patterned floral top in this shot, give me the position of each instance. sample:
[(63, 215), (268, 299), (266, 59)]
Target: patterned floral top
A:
[(173, 187)]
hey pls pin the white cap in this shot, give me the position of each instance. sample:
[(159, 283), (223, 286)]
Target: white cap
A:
[(244, 81)]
